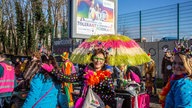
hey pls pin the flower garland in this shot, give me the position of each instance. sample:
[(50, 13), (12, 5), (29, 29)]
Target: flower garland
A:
[(94, 78)]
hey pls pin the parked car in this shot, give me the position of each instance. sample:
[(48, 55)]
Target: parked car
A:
[(169, 39)]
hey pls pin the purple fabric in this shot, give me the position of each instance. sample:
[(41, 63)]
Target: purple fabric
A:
[(135, 77), (79, 102)]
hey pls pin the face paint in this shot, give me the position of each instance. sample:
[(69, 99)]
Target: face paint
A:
[(98, 59)]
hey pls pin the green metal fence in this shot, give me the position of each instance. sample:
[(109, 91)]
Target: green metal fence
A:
[(154, 24)]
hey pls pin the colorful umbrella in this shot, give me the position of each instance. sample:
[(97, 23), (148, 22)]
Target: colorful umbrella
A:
[(121, 50)]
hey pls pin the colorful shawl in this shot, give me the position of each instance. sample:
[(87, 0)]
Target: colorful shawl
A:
[(166, 89)]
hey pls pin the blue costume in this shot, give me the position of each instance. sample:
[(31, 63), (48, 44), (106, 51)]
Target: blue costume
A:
[(180, 94), (38, 88)]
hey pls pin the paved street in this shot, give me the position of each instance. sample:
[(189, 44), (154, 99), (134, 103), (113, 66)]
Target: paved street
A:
[(154, 102)]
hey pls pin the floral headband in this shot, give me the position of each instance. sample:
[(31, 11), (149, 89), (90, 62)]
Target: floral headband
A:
[(99, 46), (181, 47)]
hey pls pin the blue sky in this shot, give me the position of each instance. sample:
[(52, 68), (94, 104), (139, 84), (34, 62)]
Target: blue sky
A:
[(128, 6)]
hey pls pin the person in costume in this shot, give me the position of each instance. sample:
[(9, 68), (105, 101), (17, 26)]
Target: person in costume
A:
[(121, 75), (130, 74), (99, 77), (165, 90), (166, 69), (179, 95), (126, 73), (7, 81), (149, 74), (95, 75), (67, 69), (43, 88)]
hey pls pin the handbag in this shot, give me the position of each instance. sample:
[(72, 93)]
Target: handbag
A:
[(80, 101), (143, 101), (92, 100)]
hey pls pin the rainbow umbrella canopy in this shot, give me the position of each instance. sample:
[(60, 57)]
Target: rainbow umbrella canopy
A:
[(121, 50)]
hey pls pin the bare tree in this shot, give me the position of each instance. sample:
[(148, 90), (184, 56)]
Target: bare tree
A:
[(41, 20)]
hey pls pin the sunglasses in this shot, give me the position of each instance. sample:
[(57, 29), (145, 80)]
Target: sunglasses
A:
[(98, 59)]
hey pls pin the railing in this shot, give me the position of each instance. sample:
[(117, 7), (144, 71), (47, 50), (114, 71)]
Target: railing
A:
[(154, 24)]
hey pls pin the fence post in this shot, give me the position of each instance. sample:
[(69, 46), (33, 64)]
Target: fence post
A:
[(178, 21), (140, 26)]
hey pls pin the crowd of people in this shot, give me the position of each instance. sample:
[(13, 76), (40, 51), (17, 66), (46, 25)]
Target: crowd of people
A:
[(50, 84)]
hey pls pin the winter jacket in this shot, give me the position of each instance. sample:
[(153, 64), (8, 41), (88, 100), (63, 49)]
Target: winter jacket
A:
[(38, 88), (179, 95)]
